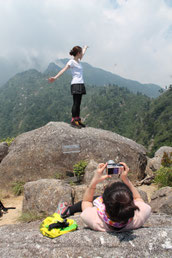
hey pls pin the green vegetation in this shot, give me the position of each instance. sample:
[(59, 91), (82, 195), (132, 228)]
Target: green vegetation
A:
[(79, 169), (28, 101), (115, 109), (31, 216), (71, 183), (163, 176), (18, 188), (58, 175), (166, 160), (8, 140), (156, 126)]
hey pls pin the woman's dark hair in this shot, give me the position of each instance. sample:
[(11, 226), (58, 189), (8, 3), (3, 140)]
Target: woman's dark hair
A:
[(75, 50), (118, 200)]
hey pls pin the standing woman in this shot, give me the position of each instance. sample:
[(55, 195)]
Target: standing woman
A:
[(77, 83)]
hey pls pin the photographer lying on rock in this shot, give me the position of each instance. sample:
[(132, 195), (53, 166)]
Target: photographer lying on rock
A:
[(119, 208)]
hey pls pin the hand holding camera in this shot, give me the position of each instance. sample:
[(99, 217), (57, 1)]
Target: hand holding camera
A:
[(111, 168), (120, 169), (125, 170), (99, 176)]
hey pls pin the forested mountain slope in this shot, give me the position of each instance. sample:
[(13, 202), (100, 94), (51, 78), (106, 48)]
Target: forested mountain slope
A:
[(100, 77), (29, 101)]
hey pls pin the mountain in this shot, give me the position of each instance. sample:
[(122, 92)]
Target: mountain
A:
[(7, 70), (28, 101), (116, 109), (100, 77), (138, 117), (92, 75), (10, 67), (156, 128)]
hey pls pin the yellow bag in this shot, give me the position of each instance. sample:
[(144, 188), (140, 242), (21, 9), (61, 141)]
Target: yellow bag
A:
[(55, 232)]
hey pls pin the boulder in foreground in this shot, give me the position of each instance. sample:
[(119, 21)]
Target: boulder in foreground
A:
[(25, 240), (43, 196), (161, 200)]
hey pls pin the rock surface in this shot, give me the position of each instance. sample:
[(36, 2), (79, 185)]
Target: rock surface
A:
[(3, 150), (39, 153), (155, 163), (153, 240), (89, 171), (78, 191), (143, 195), (161, 200), (160, 151), (43, 196)]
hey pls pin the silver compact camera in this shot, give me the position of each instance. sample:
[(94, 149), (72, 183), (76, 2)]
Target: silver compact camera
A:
[(113, 168)]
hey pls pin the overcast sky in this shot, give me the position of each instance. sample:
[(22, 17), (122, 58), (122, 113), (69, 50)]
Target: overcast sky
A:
[(132, 38)]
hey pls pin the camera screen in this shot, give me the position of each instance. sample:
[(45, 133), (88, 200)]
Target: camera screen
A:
[(112, 171)]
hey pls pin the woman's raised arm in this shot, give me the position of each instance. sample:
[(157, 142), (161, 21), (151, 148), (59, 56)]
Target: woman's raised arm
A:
[(83, 51), (124, 178), (97, 178)]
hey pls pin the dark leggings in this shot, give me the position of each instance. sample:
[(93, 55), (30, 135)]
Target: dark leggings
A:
[(77, 207), (76, 105)]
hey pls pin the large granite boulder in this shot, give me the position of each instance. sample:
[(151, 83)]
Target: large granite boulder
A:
[(155, 163), (25, 240), (43, 196), (40, 153), (161, 201), (3, 150)]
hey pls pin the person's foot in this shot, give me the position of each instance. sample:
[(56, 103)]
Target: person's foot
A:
[(63, 210), (80, 123), (75, 124)]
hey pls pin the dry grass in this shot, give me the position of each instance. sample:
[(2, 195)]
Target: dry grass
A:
[(31, 216)]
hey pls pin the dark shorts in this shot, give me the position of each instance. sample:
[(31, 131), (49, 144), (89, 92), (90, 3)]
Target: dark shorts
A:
[(78, 89)]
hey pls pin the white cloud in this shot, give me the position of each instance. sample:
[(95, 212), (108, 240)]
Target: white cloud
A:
[(129, 37)]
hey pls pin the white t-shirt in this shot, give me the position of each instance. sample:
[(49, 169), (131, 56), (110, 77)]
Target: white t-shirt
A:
[(77, 71)]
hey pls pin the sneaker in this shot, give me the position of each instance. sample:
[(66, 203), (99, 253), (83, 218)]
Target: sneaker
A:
[(76, 124), (63, 210), (81, 124)]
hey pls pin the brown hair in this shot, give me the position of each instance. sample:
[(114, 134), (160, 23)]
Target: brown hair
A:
[(119, 203), (75, 50)]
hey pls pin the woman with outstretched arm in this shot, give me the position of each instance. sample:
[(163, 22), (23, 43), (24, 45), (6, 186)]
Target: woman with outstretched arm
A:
[(77, 83)]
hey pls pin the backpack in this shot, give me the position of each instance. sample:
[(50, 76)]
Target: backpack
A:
[(54, 226)]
